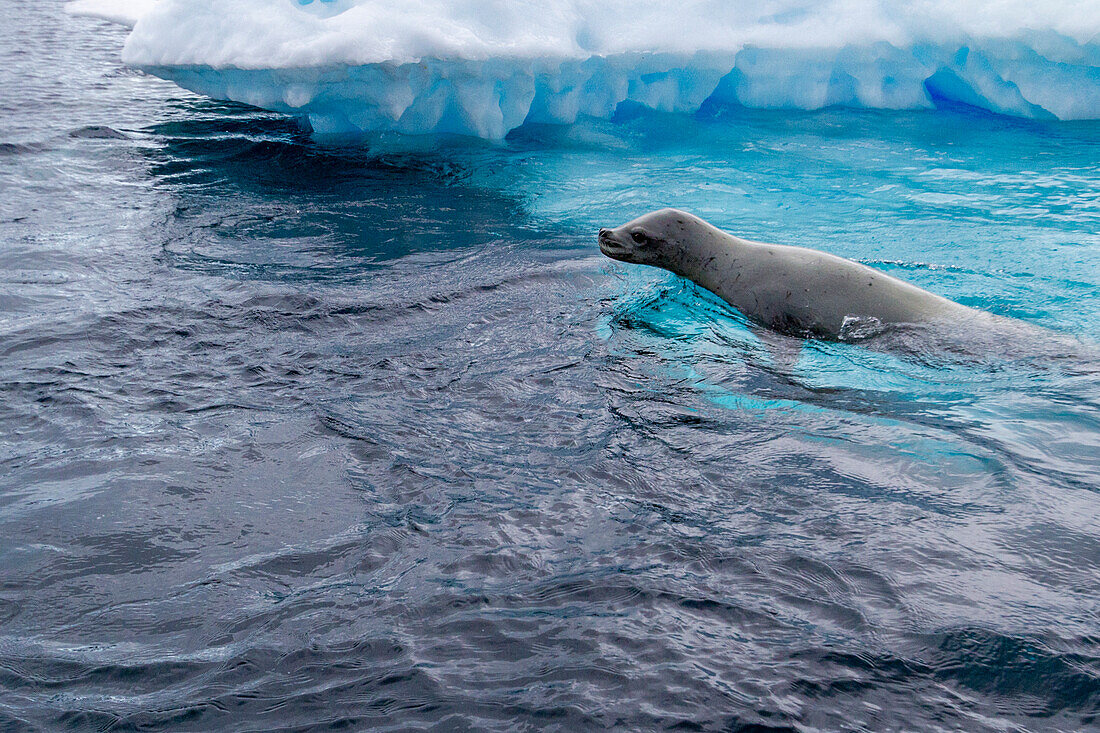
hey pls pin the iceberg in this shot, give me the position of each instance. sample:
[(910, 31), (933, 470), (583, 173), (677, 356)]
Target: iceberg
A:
[(486, 67)]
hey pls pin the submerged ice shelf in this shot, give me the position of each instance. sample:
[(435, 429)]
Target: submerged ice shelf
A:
[(485, 67)]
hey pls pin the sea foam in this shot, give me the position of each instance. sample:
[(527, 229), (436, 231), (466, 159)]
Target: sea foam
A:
[(485, 67)]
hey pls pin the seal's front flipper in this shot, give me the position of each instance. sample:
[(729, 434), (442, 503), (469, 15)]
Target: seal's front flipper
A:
[(783, 351)]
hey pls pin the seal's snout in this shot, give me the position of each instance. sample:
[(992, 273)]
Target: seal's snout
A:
[(612, 247), (608, 245)]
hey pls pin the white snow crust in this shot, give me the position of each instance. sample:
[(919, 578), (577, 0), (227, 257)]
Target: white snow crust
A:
[(484, 67)]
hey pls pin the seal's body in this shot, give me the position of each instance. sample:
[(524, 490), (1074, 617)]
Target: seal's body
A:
[(793, 290)]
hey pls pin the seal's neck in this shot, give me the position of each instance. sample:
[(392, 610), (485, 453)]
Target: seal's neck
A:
[(709, 258)]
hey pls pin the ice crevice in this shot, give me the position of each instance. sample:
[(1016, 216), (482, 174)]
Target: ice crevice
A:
[(486, 67)]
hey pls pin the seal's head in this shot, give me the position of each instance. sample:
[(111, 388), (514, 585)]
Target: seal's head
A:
[(658, 238)]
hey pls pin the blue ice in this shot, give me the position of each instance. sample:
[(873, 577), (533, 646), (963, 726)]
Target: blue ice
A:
[(486, 67)]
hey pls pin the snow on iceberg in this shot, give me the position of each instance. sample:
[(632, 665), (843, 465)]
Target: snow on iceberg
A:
[(485, 67)]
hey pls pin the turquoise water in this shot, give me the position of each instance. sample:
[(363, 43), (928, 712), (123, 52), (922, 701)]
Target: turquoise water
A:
[(304, 433)]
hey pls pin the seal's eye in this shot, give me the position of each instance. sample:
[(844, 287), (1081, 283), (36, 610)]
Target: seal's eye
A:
[(638, 237)]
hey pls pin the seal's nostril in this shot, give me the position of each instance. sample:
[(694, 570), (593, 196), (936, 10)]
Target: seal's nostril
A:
[(604, 232)]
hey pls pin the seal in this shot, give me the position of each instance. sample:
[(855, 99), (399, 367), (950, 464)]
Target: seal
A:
[(793, 290)]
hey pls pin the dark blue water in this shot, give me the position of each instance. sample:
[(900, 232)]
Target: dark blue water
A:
[(304, 434)]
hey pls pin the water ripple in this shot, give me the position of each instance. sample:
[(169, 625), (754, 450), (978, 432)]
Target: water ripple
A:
[(304, 434)]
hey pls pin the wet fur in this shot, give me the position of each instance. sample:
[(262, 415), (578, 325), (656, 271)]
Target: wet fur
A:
[(792, 290)]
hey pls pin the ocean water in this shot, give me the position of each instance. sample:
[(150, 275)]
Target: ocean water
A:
[(301, 433)]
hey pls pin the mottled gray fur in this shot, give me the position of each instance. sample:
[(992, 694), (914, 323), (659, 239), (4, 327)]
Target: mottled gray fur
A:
[(793, 290)]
